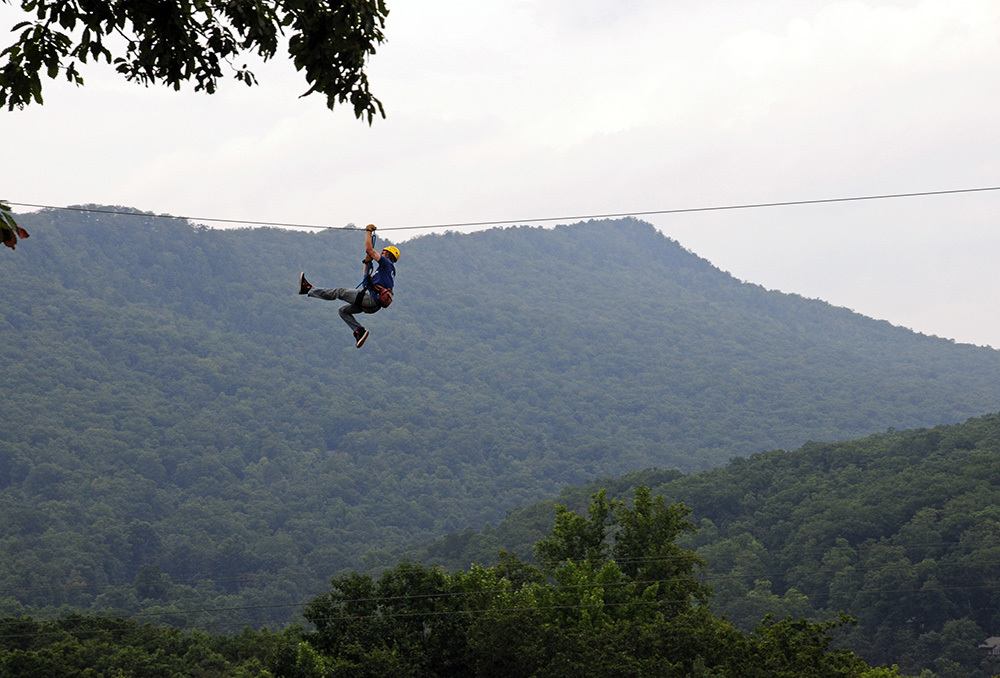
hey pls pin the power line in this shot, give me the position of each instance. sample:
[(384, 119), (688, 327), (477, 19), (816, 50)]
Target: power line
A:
[(531, 220), (467, 611), (327, 599), (704, 578), (860, 550)]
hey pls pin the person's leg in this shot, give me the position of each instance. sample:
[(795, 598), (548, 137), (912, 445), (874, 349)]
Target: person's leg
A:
[(334, 293), (346, 311), (358, 301), (364, 303)]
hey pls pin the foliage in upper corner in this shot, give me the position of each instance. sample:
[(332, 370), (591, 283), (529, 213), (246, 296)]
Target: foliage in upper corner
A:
[(171, 43), (9, 230)]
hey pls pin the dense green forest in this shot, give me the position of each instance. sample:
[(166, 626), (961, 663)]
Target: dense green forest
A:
[(614, 595), (900, 530), (187, 438)]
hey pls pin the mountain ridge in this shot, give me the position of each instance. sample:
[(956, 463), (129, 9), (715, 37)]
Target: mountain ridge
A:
[(168, 393)]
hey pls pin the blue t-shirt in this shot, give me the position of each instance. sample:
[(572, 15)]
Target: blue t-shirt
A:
[(386, 273)]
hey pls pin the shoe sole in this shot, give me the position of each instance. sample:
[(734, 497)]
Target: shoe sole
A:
[(302, 286), (361, 341)]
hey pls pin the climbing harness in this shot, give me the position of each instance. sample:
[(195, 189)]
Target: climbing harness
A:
[(381, 295)]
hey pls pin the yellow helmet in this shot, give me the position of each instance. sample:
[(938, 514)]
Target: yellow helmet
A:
[(393, 252)]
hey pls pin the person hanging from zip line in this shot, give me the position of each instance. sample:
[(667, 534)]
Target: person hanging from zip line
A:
[(374, 292)]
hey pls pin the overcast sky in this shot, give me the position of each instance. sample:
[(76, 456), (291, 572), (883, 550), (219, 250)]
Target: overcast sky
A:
[(525, 109)]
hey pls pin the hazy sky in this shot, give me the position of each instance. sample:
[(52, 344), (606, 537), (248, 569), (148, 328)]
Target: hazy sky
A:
[(523, 109)]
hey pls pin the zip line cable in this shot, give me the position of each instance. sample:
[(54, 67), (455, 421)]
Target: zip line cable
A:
[(717, 208), (500, 222)]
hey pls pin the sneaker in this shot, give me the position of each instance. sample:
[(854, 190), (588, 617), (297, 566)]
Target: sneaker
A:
[(360, 335), (304, 285)]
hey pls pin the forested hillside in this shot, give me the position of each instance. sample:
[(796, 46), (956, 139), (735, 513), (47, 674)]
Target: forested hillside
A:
[(182, 431), (615, 595), (901, 530)]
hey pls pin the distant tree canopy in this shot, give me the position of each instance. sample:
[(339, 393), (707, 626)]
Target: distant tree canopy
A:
[(172, 43), (615, 596)]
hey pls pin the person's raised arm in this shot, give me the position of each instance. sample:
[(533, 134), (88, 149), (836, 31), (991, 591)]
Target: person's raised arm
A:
[(371, 254)]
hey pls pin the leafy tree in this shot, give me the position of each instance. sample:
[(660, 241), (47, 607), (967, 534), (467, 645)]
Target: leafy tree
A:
[(414, 612), (581, 614), (105, 647), (576, 537), (9, 230), (789, 649), (173, 43), (646, 545)]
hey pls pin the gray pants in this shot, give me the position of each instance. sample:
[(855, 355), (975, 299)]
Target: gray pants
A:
[(347, 311)]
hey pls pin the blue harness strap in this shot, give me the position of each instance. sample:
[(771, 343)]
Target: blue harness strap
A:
[(365, 283)]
